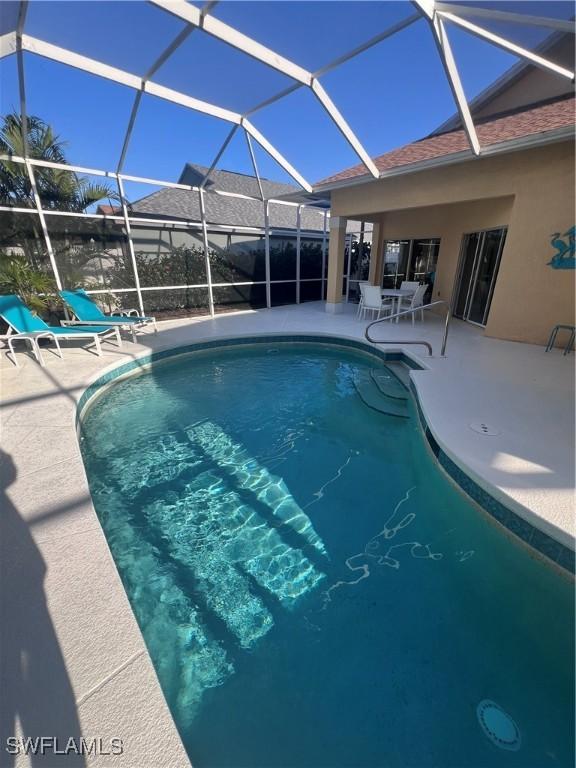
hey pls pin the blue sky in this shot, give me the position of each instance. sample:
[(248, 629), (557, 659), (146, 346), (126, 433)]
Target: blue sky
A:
[(390, 95)]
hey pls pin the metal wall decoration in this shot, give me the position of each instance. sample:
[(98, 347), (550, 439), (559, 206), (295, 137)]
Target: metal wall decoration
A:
[(565, 247)]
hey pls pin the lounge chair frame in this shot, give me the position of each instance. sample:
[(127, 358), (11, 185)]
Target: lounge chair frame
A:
[(131, 326), (33, 336)]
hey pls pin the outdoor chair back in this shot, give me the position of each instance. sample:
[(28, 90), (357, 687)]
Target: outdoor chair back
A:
[(87, 311), (18, 316), (418, 297), (372, 297), (82, 305), (361, 285), (415, 301)]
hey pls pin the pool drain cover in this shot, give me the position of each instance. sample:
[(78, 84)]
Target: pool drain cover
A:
[(498, 725), (484, 429)]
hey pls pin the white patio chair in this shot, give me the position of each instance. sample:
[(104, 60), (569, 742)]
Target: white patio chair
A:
[(372, 301), (407, 285), (361, 285), (416, 301)]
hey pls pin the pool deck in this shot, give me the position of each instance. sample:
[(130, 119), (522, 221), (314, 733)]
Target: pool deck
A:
[(64, 608)]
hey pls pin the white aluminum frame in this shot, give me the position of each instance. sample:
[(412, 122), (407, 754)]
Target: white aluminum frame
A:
[(24, 122), (254, 164), (201, 227), (221, 151), (131, 246), (183, 35), (7, 44), (267, 252), (206, 252), (427, 8), (95, 67), (435, 13), (517, 50), (298, 245), (129, 177), (196, 18), (392, 30), (270, 58), (508, 16)]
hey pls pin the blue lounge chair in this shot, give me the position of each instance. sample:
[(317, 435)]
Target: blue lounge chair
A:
[(86, 311), (30, 327)]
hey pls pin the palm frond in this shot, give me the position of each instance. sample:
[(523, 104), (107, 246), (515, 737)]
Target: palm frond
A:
[(58, 189), (37, 289)]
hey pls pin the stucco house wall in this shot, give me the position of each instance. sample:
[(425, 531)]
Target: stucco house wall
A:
[(449, 223), (530, 191)]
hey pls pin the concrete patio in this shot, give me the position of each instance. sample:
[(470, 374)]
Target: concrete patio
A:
[(89, 669)]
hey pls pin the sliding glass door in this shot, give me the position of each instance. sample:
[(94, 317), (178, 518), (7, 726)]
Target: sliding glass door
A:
[(413, 260), (478, 269)]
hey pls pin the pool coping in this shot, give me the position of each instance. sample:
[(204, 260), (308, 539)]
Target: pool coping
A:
[(512, 516)]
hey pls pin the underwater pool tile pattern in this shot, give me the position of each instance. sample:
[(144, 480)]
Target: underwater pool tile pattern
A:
[(233, 518)]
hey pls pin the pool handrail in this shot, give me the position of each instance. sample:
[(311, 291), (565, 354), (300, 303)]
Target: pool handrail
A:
[(411, 311)]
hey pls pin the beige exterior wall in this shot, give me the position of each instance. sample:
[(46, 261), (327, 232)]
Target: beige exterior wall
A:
[(531, 192), (449, 223)]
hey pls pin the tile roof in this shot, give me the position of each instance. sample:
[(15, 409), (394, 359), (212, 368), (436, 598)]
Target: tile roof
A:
[(229, 211), (541, 118), (109, 210)]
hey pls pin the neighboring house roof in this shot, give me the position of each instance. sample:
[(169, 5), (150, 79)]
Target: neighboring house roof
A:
[(181, 204), (109, 210), (229, 181), (540, 119)]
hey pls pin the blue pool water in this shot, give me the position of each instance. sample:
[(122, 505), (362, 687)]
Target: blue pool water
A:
[(311, 587)]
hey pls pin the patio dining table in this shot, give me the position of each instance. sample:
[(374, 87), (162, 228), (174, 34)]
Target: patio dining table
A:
[(397, 294)]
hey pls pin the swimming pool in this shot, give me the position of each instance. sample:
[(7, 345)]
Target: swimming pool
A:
[(312, 589)]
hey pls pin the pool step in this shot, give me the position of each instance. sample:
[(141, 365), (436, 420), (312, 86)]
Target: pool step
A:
[(389, 384), (401, 371), (371, 396)]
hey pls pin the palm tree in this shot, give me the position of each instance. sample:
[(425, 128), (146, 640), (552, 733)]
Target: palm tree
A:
[(58, 190)]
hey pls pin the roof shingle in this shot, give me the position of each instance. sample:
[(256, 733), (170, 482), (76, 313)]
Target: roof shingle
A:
[(229, 181), (541, 118), (181, 204)]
